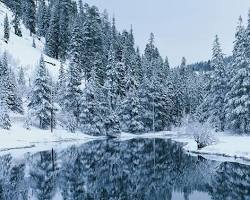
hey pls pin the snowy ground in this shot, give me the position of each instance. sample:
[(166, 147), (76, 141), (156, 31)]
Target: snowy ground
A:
[(18, 140), (235, 148)]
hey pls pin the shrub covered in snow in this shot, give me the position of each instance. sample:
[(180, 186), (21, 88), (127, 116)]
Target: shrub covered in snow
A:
[(203, 134)]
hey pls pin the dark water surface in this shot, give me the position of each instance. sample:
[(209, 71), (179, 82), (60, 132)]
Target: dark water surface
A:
[(125, 170)]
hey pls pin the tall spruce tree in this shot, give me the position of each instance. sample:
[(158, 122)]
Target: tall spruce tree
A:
[(5, 122), (40, 101), (214, 103), (65, 15), (238, 96), (61, 85), (52, 36), (112, 124), (41, 19), (9, 83), (91, 108), (21, 82), (73, 90), (30, 16), (92, 39)]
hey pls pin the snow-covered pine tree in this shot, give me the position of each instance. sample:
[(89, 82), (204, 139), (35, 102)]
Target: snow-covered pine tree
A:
[(112, 125), (52, 36), (107, 36), (120, 80), (91, 121), (152, 90), (184, 75), (65, 15), (61, 85), (214, 103), (29, 16), (14, 101), (92, 39), (6, 28), (138, 65), (238, 96), (17, 17), (248, 36), (100, 69), (21, 83), (131, 111), (40, 101), (41, 19), (73, 90), (5, 122)]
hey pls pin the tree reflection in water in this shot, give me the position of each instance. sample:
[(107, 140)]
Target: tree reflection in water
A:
[(123, 170)]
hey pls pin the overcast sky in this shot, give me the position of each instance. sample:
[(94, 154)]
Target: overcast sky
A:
[(181, 27)]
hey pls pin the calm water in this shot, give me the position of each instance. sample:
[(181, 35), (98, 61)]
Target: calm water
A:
[(122, 170)]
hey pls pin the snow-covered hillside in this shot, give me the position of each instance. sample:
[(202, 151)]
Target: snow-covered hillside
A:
[(20, 50)]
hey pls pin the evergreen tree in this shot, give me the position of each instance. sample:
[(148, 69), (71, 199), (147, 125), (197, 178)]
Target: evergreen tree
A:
[(5, 122), (73, 91), (6, 28), (90, 118), (76, 44), (30, 16), (41, 19), (14, 101), (40, 102), (92, 39), (131, 113), (52, 36), (21, 83), (238, 96), (107, 36), (61, 86), (113, 95), (215, 101), (65, 15)]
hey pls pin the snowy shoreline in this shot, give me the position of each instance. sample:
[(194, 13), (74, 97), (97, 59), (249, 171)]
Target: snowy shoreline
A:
[(19, 141), (232, 148)]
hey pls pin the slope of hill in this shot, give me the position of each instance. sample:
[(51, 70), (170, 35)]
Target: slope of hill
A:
[(20, 50)]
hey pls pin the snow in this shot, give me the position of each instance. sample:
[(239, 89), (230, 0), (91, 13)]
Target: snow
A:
[(25, 55), (234, 148), (19, 141)]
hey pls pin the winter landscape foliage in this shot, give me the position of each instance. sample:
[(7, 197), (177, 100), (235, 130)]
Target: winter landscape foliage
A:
[(105, 85)]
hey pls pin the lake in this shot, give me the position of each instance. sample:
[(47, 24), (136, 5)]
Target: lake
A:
[(126, 170)]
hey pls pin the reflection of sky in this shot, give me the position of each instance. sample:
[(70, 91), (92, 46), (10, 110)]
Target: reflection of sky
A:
[(182, 27), (194, 196)]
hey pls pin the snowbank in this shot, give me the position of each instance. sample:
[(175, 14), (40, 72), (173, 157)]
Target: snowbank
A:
[(228, 147), (18, 140)]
